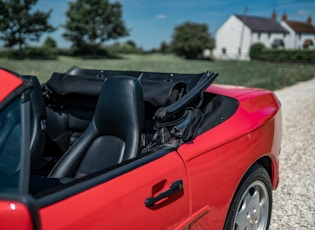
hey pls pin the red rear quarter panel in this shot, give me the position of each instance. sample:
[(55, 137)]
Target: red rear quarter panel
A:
[(8, 83), (217, 160)]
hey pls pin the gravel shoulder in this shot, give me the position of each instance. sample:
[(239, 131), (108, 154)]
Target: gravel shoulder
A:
[(294, 199)]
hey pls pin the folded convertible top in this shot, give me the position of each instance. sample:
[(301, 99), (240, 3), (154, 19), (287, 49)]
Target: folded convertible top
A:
[(189, 79), (160, 89)]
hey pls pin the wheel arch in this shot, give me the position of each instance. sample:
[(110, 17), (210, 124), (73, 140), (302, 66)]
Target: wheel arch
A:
[(271, 168), (266, 163), (262, 163)]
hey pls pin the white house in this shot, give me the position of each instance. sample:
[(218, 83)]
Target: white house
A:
[(301, 34), (235, 37)]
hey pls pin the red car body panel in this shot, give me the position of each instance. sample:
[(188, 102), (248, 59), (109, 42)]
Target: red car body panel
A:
[(209, 205), (14, 215), (223, 145), (9, 83), (118, 209), (211, 167)]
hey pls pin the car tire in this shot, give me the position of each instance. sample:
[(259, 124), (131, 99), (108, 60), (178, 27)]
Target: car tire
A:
[(252, 203)]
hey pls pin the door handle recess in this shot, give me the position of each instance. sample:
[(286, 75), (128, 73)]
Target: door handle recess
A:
[(174, 188)]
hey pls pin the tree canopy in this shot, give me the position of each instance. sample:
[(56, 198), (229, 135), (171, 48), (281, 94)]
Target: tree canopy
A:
[(18, 24), (190, 39), (92, 22)]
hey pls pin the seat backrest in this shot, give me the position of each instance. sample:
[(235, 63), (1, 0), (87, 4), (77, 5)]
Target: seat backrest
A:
[(38, 122), (114, 133)]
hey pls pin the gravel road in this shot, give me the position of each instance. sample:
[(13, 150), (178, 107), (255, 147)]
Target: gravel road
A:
[(294, 199)]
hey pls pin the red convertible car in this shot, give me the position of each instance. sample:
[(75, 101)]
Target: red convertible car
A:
[(103, 149)]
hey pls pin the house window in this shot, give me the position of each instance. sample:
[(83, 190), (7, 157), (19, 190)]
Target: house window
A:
[(258, 36), (308, 43), (269, 34), (277, 43), (223, 50)]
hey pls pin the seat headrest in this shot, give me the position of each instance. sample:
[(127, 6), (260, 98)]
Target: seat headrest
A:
[(120, 104)]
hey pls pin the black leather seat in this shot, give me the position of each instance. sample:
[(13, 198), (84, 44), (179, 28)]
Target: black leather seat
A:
[(38, 122), (114, 133)]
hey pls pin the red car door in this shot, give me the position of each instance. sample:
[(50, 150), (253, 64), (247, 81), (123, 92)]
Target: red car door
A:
[(152, 196), (151, 192)]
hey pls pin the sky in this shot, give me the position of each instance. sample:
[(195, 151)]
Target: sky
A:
[(151, 22)]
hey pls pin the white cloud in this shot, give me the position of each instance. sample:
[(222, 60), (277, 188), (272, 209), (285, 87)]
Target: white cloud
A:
[(302, 12), (161, 16)]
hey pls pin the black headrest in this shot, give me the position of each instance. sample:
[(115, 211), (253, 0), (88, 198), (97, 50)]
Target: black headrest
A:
[(120, 104)]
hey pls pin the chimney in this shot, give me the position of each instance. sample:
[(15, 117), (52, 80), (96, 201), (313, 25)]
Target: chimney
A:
[(309, 20), (284, 17), (274, 15)]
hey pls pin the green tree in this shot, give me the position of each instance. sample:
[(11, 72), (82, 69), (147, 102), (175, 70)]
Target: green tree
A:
[(50, 43), (165, 47), (190, 39), (92, 22), (131, 43), (18, 25)]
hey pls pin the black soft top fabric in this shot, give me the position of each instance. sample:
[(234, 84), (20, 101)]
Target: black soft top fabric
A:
[(157, 87), (189, 79)]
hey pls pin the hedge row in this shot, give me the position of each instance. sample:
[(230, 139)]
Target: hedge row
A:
[(52, 53), (258, 51), (288, 55), (31, 52)]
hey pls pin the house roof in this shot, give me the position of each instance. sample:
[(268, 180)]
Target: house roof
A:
[(301, 27), (261, 24)]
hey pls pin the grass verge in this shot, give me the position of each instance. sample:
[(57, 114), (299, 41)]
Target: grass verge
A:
[(252, 74)]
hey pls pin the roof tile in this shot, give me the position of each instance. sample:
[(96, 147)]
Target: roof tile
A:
[(262, 24), (301, 27)]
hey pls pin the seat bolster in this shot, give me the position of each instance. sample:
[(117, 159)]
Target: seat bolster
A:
[(74, 155), (105, 151), (134, 145)]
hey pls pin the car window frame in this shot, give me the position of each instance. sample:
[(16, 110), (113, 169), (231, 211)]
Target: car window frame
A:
[(12, 129), (22, 196), (23, 94), (25, 156)]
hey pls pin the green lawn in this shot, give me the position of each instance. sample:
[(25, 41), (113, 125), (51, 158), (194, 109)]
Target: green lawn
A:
[(254, 74)]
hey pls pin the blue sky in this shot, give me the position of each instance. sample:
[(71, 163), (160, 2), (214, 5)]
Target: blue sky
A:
[(151, 22)]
